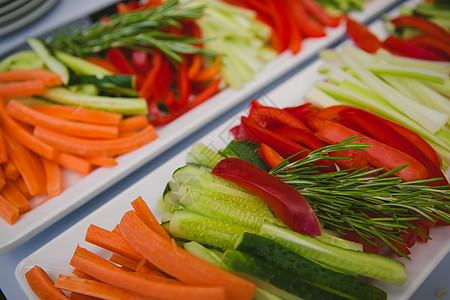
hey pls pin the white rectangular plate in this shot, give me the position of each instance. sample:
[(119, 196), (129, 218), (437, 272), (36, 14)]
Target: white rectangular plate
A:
[(78, 190), (54, 257)]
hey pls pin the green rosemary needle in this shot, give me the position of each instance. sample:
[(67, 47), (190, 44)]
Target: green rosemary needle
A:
[(141, 29), (372, 203)]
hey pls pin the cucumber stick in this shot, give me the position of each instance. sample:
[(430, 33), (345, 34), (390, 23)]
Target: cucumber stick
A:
[(201, 155), (367, 264), (81, 66), (50, 61), (250, 267), (273, 253)]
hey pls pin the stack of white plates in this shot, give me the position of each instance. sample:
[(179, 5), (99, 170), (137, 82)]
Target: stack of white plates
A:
[(15, 14)]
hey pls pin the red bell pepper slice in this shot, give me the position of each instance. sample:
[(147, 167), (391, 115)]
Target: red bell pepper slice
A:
[(409, 49), (210, 72), (271, 157), (382, 132), (183, 85), (118, 59), (301, 136), (308, 26), (302, 112), (313, 8), (195, 66), (432, 43), (379, 155), (265, 114), (241, 133), (282, 145), (422, 24), (140, 60), (363, 37), (286, 202), (148, 87)]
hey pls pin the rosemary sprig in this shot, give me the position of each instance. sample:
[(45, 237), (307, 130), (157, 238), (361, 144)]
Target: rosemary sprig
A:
[(373, 203), (140, 29)]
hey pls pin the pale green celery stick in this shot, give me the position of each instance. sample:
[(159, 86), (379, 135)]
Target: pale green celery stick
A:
[(444, 134), (427, 95), (409, 72), (128, 106), (352, 98), (442, 67), (337, 75), (32, 101), (329, 54), (328, 65), (443, 22), (432, 120), (429, 9), (364, 92), (397, 84), (444, 154), (26, 59), (319, 98), (442, 89)]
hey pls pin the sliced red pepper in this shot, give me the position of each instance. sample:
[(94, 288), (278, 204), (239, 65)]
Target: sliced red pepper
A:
[(423, 229), (263, 114), (313, 8), (308, 26), (304, 137), (164, 78), (148, 87), (379, 155), (423, 25), (183, 85), (210, 72), (409, 49), (119, 60), (195, 67), (302, 112), (271, 157), (286, 202), (362, 36), (241, 133), (169, 101), (432, 43), (356, 160), (382, 132), (140, 60)]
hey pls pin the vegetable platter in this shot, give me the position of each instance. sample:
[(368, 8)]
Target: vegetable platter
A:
[(79, 189), (54, 257)]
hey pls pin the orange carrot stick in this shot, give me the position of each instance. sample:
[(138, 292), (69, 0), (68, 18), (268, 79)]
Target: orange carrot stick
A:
[(74, 163), (210, 72), (10, 170), (133, 123), (8, 212), (110, 241), (104, 161), (95, 288), (156, 286), (196, 65), (272, 157), (48, 78), (86, 147), (2, 179), (22, 88), (79, 113), (80, 274), (145, 214), (12, 194), (29, 116), (179, 263), (78, 296), (29, 166), (53, 177), (124, 261), (19, 133), (20, 183), (42, 285), (3, 156)]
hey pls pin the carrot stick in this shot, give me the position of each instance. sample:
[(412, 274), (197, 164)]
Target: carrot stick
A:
[(74, 163), (29, 166), (20, 183), (133, 123), (145, 214), (86, 147), (272, 157), (78, 296), (104, 161), (42, 285), (179, 263), (124, 261), (53, 177), (196, 65), (79, 113), (20, 134), (22, 88), (12, 194), (48, 78), (110, 241), (80, 274), (94, 288), (2, 179), (8, 212), (10, 170), (28, 115), (3, 156), (210, 72), (156, 287)]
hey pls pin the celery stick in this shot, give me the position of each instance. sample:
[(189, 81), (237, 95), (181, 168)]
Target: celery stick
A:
[(431, 119), (337, 75), (410, 72), (400, 86), (442, 89), (442, 67), (319, 98), (364, 92)]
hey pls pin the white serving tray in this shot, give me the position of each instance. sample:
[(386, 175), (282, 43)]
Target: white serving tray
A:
[(78, 190), (54, 257)]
